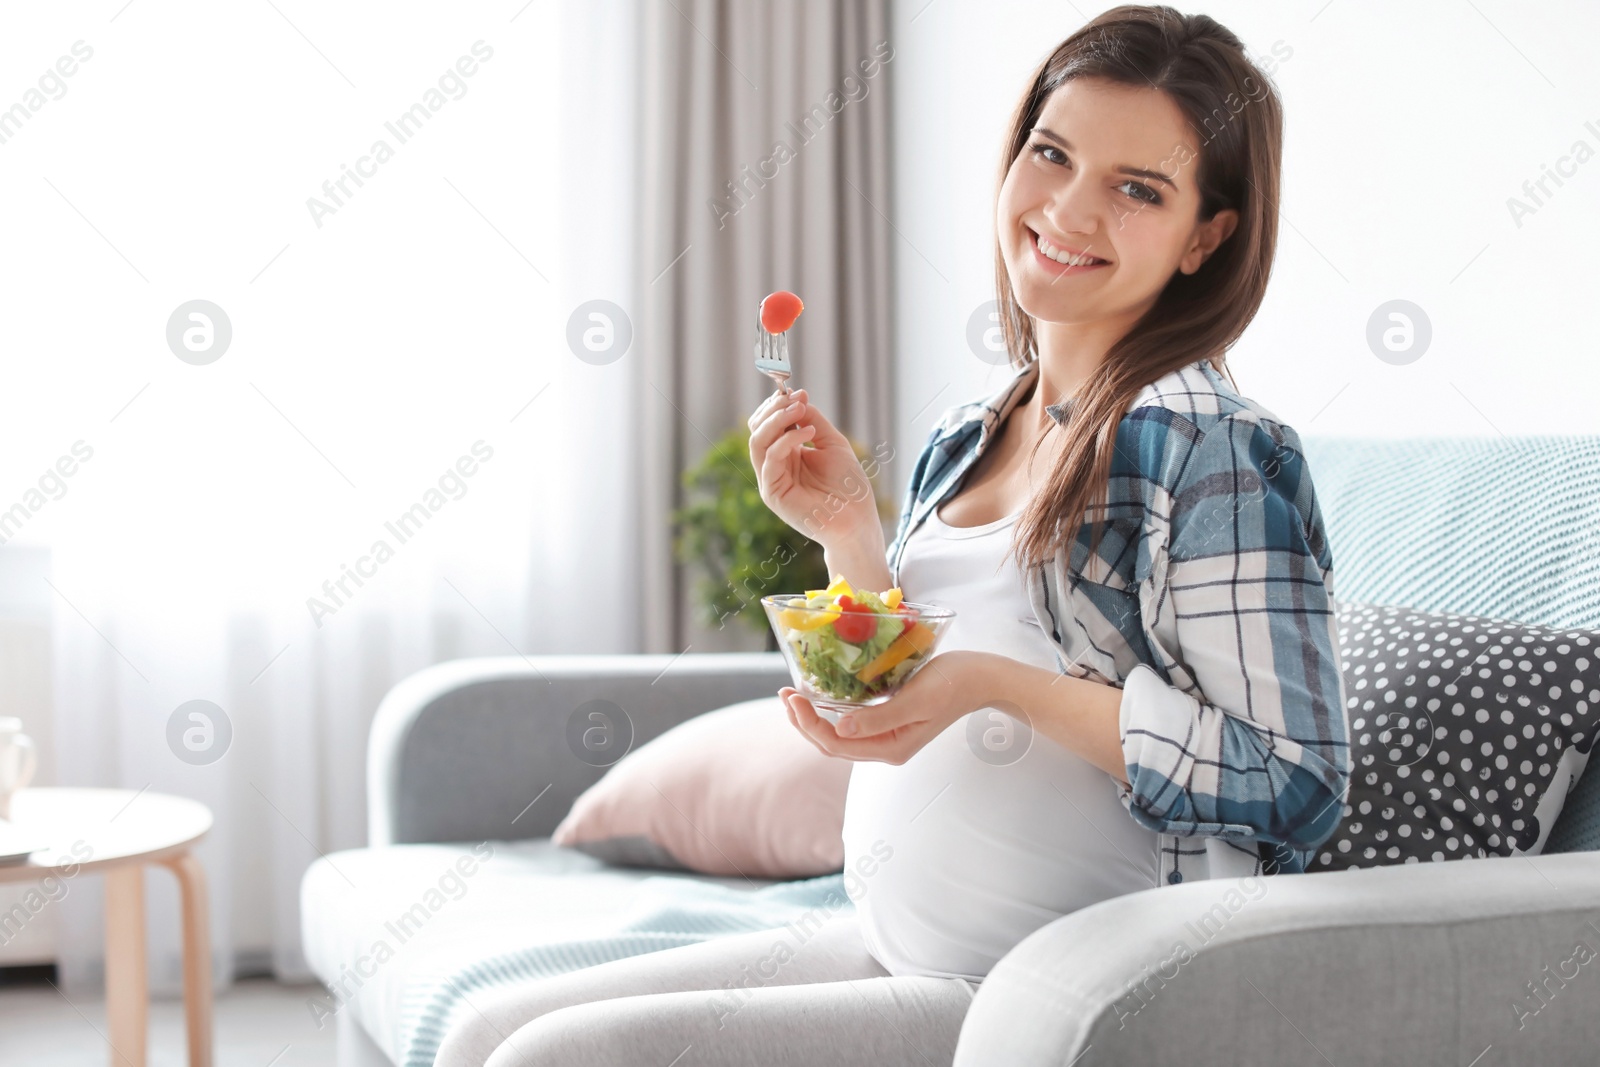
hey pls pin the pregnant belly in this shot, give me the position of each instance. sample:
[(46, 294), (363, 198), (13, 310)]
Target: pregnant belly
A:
[(986, 834)]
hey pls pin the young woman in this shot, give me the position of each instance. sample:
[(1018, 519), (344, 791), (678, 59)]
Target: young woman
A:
[(1142, 683)]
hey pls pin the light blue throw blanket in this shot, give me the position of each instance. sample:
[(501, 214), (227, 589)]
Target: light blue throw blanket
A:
[(667, 912)]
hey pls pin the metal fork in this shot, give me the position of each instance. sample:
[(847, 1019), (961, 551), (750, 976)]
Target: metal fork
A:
[(772, 355)]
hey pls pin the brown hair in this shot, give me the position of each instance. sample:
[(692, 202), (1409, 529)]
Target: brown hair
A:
[(1231, 105)]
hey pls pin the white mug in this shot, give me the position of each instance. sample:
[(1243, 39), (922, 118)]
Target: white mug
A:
[(18, 759)]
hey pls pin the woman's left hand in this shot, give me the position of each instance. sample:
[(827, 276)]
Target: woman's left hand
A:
[(894, 731)]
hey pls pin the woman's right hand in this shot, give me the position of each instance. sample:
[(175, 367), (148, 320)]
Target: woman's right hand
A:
[(822, 491)]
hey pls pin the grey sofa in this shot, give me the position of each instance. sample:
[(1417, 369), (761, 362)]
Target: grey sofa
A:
[(1466, 962)]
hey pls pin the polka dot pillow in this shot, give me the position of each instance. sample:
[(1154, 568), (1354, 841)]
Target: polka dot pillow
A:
[(1466, 734)]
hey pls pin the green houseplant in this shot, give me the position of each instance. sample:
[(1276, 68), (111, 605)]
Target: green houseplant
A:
[(743, 551)]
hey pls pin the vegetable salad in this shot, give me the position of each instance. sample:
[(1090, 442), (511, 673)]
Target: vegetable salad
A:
[(853, 644)]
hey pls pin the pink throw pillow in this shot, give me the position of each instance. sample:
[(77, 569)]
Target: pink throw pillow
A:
[(733, 791)]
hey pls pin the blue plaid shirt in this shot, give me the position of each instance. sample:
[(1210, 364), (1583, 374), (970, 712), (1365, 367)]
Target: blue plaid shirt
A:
[(1209, 602)]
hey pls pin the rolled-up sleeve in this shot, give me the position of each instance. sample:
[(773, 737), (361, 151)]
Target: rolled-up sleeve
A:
[(1235, 727)]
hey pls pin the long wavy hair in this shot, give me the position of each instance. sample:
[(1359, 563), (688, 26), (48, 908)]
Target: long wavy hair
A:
[(1236, 113)]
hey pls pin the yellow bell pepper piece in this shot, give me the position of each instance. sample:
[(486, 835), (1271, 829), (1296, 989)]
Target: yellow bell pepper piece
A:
[(837, 588), (805, 619), (891, 599)]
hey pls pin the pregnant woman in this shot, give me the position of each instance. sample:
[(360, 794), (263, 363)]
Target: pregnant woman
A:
[(1142, 683)]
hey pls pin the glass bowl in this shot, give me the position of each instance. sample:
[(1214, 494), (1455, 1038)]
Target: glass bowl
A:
[(806, 634)]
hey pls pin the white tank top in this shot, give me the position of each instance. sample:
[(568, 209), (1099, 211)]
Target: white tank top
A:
[(991, 830)]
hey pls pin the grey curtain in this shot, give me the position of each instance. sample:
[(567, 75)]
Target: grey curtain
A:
[(763, 164)]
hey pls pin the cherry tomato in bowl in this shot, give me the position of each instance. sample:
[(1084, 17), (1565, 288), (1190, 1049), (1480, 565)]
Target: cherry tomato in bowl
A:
[(856, 622)]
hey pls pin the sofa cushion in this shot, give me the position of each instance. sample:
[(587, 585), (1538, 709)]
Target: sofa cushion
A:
[(379, 925), (734, 791), (1467, 734), (1578, 827)]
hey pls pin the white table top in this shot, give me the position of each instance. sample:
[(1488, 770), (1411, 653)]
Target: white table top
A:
[(85, 829)]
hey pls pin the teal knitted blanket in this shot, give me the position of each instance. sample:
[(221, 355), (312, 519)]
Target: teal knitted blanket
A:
[(668, 912)]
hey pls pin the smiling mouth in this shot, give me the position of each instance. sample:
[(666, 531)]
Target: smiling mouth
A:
[(1060, 255)]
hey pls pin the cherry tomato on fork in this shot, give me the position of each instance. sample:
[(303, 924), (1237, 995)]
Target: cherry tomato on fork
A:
[(779, 310)]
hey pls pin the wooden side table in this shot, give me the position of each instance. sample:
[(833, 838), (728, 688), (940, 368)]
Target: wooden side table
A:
[(117, 832)]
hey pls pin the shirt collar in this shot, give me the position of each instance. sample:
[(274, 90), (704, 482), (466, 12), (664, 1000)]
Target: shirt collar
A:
[(993, 410)]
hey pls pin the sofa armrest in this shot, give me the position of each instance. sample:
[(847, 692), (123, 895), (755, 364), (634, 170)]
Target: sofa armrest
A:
[(1421, 963), (460, 751)]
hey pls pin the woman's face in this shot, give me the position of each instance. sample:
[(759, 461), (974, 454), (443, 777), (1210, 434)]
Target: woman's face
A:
[(1071, 186)]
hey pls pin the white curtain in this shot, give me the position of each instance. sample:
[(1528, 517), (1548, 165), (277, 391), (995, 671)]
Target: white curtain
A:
[(403, 354), (763, 134)]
